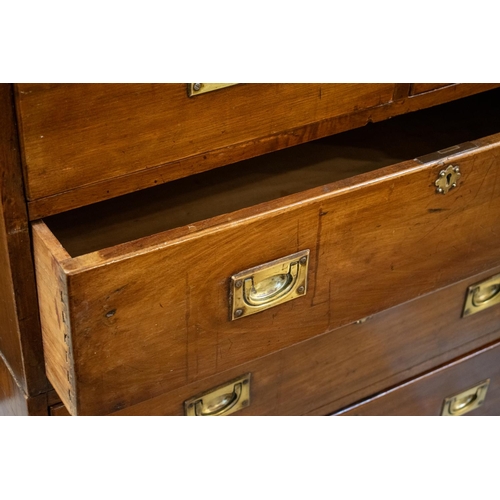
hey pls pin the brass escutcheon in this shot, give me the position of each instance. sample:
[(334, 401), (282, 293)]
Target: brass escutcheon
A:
[(466, 401), (447, 179), (269, 285)]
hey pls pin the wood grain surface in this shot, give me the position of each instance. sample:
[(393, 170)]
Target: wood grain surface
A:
[(152, 315), (75, 135), (187, 202), (99, 155), (54, 315), (20, 339), (424, 396), (336, 369)]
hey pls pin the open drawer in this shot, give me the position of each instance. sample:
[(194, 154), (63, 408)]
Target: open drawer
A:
[(137, 293)]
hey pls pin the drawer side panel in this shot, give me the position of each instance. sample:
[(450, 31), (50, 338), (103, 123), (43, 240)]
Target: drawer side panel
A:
[(54, 313)]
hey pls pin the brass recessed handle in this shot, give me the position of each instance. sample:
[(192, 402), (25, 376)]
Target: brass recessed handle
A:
[(270, 289), (466, 401), (222, 400), (482, 295), (269, 284)]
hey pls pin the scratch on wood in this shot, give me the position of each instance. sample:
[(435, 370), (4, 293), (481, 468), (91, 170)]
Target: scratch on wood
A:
[(318, 248), (329, 304), (436, 210), (187, 317)]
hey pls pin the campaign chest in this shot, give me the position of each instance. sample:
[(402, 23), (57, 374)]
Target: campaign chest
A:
[(256, 249)]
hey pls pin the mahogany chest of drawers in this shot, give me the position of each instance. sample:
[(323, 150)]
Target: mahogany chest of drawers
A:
[(272, 249)]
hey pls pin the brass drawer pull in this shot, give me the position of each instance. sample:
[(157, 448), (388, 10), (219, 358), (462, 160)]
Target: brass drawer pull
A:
[(482, 295), (202, 88), (466, 401), (223, 400), (269, 284)]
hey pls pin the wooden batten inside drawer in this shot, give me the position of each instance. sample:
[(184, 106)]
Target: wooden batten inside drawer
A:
[(135, 291)]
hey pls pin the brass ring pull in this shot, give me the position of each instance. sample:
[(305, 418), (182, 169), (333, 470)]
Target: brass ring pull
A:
[(466, 401), (221, 405), (268, 290), (460, 405), (222, 400), (483, 294)]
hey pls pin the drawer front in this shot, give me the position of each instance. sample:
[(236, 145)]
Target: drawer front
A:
[(76, 135), (456, 388), (126, 323), (336, 369)]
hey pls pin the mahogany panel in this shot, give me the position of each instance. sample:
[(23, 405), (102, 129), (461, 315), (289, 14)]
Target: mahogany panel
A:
[(424, 395), (325, 373), (20, 339), (89, 189)]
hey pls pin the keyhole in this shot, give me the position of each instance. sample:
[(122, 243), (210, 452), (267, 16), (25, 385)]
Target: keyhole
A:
[(448, 179)]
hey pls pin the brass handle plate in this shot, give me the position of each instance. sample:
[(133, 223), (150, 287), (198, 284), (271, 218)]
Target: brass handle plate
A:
[(194, 89), (222, 400), (482, 295), (466, 401), (269, 285)]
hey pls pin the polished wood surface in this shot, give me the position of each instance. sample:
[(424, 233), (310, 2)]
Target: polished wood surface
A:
[(338, 368), (425, 395), (91, 133), (152, 315), (20, 339), (117, 165)]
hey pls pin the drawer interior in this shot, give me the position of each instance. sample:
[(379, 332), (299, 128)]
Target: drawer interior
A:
[(275, 175)]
